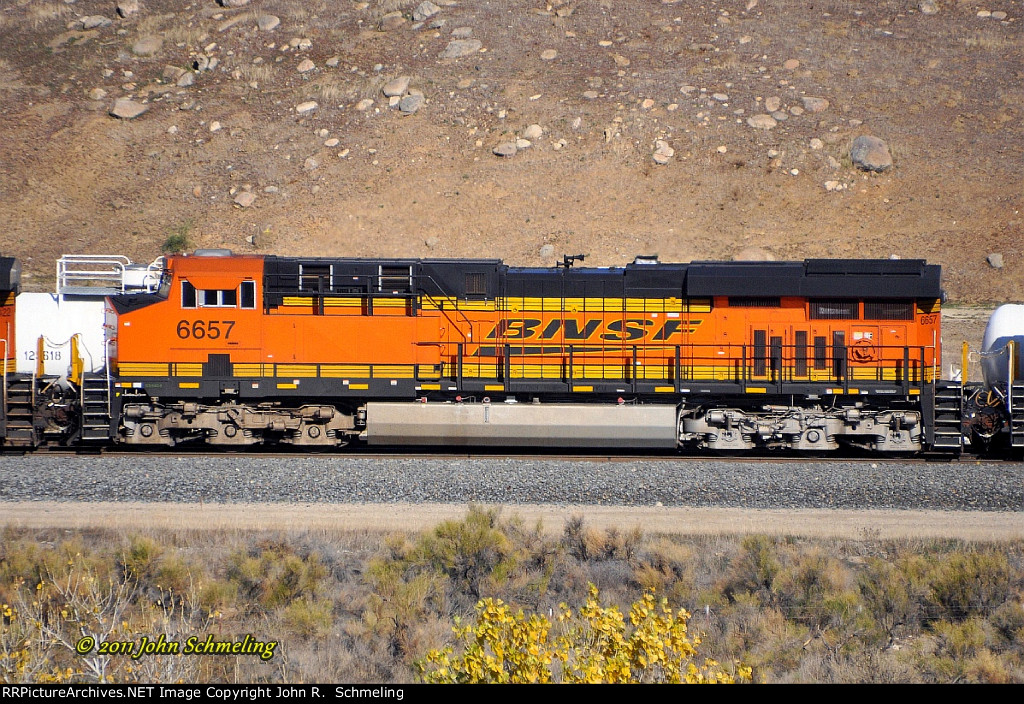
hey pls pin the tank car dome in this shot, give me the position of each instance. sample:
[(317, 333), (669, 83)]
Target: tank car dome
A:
[(1005, 324)]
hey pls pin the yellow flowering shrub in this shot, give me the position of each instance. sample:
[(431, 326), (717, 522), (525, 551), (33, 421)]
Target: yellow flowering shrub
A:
[(593, 645)]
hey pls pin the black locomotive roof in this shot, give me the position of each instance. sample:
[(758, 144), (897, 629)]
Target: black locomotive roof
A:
[(817, 278), (10, 274), (811, 278)]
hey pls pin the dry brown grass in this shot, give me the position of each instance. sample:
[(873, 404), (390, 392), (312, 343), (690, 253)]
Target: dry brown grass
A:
[(332, 88), (361, 606), (153, 24), (191, 37), (42, 13), (10, 77), (256, 73), (989, 40), (383, 7), (839, 29)]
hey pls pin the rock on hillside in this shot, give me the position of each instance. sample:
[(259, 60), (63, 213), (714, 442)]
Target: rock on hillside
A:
[(697, 131)]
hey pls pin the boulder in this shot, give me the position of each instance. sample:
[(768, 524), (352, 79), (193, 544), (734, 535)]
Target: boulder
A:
[(870, 153)]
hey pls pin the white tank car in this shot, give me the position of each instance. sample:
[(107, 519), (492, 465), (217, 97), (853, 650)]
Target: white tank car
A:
[(76, 308), (57, 320), (1005, 325)]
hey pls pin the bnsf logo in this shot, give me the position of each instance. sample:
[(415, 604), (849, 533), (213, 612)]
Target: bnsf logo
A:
[(594, 329)]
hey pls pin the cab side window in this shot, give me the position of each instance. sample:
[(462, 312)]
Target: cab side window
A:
[(191, 297), (188, 295), (219, 298), (248, 289)]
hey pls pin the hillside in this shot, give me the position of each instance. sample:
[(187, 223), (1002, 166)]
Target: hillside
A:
[(231, 152)]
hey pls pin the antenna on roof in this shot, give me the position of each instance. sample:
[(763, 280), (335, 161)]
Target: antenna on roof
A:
[(569, 259)]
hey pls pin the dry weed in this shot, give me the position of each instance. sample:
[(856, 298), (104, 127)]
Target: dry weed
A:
[(383, 7), (185, 34), (252, 16), (41, 13), (10, 78), (256, 73), (331, 89), (948, 96), (838, 29), (989, 41), (152, 24), (725, 60)]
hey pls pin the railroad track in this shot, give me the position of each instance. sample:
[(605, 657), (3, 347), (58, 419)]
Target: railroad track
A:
[(399, 490), (497, 454)]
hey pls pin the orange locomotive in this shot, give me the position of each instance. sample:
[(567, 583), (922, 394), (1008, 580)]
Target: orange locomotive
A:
[(10, 284), (813, 355)]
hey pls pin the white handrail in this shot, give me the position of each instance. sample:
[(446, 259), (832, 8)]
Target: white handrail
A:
[(106, 365), (1010, 364), (3, 360), (91, 270), (78, 273)]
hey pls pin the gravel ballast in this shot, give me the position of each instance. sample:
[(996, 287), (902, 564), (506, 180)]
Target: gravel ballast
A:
[(958, 486)]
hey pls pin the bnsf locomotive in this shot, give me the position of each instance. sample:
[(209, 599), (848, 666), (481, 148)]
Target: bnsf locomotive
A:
[(232, 350)]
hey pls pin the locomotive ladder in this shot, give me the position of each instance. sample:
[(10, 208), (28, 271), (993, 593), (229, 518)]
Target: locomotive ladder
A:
[(948, 416), (1015, 396), (95, 402), (1017, 415), (18, 412)]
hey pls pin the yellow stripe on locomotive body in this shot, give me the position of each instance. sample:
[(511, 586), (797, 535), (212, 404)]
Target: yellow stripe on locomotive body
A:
[(143, 369), (296, 370), (603, 305), (253, 370), (431, 303), (393, 371), (345, 371)]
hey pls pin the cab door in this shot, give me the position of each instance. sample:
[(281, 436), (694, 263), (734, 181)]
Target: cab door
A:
[(893, 344)]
